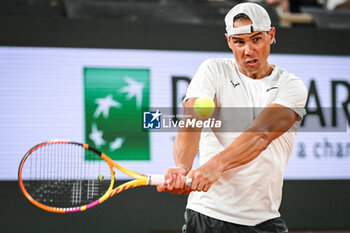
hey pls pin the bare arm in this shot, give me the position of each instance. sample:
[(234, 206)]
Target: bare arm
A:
[(186, 146), (271, 123), (186, 143)]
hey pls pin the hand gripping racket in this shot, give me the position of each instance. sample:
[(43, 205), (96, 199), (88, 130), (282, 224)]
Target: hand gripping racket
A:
[(64, 177)]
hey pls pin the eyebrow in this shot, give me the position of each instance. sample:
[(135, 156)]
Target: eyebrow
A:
[(239, 38), (257, 34)]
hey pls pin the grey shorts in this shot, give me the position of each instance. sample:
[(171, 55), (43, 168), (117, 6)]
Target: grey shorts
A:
[(200, 223)]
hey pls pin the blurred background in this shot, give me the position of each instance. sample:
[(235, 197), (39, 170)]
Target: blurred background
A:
[(48, 47)]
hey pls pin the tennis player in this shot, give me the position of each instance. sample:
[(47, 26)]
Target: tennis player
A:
[(238, 185)]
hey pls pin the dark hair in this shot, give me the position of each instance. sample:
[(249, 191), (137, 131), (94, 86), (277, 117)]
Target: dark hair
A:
[(241, 16)]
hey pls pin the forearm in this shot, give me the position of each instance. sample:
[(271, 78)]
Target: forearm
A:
[(244, 149), (186, 146), (271, 123), (186, 143), (185, 149)]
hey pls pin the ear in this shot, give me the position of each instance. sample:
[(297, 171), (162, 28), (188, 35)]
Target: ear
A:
[(228, 40), (272, 33)]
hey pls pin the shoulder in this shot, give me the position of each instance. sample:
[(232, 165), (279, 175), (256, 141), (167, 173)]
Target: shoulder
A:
[(219, 63), (289, 82), (287, 78), (217, 67)]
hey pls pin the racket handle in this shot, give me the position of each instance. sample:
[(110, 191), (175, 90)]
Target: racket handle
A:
[(159, 179), (155, 179)]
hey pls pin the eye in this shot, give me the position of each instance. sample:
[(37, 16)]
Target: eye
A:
[(238, 42), (256, 39)]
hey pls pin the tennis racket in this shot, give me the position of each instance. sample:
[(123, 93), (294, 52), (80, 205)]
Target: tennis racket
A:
[(65, 177)]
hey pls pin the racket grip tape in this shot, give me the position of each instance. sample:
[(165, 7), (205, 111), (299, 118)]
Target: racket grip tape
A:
[(159, 179), (155, 179)]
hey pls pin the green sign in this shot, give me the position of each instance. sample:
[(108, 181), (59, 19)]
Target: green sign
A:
[(114, 100)]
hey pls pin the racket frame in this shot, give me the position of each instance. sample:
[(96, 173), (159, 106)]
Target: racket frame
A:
[(140, 180)]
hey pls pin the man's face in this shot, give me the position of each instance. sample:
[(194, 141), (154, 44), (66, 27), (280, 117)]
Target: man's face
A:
[(251, 50)]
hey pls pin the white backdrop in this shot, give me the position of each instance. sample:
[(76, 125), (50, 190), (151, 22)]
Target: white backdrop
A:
[(41, 98)]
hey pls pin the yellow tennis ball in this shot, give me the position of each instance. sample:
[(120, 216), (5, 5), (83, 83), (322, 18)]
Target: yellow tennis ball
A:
[(204, 106), (100, 178)]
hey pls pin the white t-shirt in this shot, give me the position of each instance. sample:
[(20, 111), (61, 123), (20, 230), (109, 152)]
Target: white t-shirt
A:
[(249, 194)]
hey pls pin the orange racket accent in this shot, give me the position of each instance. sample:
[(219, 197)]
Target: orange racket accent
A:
[(58, 148)]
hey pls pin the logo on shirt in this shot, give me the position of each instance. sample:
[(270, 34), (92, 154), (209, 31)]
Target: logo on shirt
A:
[(234, 84), (271, 88), (152, 120)]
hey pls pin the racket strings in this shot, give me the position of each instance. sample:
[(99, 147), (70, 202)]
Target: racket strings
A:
[(65, 175)]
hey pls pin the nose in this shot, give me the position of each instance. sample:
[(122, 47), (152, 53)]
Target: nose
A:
[(248, 50)]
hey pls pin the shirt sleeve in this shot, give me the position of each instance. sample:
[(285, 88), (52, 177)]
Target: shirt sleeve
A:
[(204, 82), (293, 95)]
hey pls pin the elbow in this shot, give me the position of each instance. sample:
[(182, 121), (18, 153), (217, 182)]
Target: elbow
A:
[(262, 138), (257, 143), (262, 142)]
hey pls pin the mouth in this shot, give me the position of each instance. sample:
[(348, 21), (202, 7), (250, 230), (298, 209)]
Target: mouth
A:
[(252, 62)]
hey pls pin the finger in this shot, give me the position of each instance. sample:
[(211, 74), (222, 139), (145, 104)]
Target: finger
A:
[(206, 187), (167, 179), (182, 182), (170, 185), (200, 186), (179, 178), (169, 174), (195, 183)]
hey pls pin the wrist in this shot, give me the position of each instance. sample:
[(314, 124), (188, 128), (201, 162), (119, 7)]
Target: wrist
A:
[(183, 167), (217, 164)]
